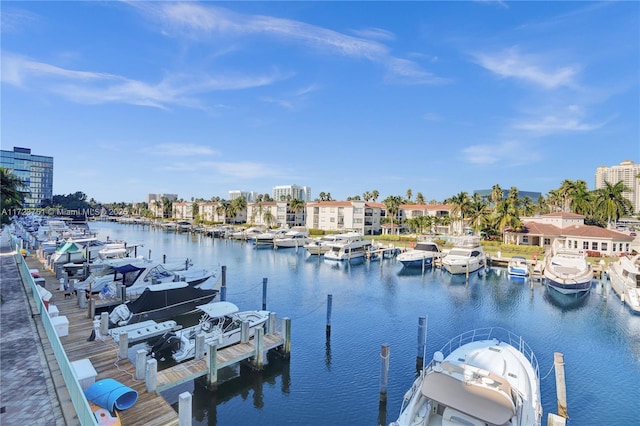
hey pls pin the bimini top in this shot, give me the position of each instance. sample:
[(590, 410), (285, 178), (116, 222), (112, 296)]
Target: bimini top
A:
[(218, 309), (487, 400)]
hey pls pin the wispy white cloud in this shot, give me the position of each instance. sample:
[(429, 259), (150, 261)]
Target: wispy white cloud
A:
[(374, 33), (530, 68), (179, 150), (506, 154), (98, 88), (14, 20), (200, 21), (569, 119), (430, 116)]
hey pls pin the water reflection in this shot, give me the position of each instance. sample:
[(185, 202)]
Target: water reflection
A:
[(245, 384), (566, 302)]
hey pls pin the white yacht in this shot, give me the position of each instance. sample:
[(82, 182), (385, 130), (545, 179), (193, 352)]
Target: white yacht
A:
[(266, 238), (349, 251), (479, 378), (568, 271), (625, 280), (466, 256), (421, 255), (321, 245), (293, 238)]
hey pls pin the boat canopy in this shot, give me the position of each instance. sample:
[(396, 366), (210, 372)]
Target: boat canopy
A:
[(128, 268), (69, 247), (488, 402), (219, 309)]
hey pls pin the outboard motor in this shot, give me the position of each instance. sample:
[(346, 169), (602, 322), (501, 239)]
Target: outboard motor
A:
[(120, 315), (165, 346)]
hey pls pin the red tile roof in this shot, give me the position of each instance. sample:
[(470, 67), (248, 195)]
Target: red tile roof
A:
[(589, 231)]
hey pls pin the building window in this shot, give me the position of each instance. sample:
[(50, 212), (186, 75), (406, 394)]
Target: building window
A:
[(594, 245), (525, 239), (585, 245), (547, 241), (603, 246)]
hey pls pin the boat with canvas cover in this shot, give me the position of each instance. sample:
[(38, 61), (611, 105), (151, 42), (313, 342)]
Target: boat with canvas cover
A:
[(518, 267), (482, 377)]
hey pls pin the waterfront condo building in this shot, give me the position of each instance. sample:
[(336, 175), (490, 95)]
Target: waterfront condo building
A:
[(36, 171), (627, 172), (291, 192)]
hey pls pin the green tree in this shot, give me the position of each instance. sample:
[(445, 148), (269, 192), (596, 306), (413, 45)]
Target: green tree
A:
[(420, 200), (392, 204), (296, 205), (13, 191), (610, 203)]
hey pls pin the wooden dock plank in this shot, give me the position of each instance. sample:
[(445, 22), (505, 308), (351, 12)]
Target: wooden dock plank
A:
[(150, 408)]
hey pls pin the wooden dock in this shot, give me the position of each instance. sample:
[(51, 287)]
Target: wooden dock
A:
[(150, 408), (228, 356)]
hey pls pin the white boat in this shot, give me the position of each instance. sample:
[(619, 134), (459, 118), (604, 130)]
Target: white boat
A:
[(466, 256), (221, 322), (481, 377), (136, 276), (266, 238), (518, 267), (293, 238), (319, 246), (349, 251), (421, 255), (568, 271), (625, 280), (248, 234)]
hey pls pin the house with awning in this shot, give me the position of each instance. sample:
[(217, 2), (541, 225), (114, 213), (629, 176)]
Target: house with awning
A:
[(569, 230)]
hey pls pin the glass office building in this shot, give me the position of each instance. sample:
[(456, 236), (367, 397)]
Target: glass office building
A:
[(36, 171)]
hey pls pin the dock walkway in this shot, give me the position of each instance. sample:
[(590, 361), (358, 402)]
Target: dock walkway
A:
[(30, 390)]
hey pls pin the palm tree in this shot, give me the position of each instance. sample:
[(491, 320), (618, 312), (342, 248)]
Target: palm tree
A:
[(296, 205), (268, 217), (581, 201), (477, 212), (366, 196), (420, 200), (409, 195), (496, 194), (375, 194), (13, 192), (506, 216), (392, 204), (610, 204), (460, 206)]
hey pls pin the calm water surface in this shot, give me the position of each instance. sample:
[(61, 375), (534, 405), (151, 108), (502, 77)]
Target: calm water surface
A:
[(336, 380)]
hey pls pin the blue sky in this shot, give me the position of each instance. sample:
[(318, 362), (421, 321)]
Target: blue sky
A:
[(199, 98)]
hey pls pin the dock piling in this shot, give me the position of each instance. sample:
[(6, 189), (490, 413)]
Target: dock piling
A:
[(104, 323), (123, 345), (184, 409), (258, 358), (212, 363), (151, 376), (286, 328), (558, 362), (384, 372), (329, 306), (199, 346), (223, 286), (422, 342), (264, 294), (141, 363)]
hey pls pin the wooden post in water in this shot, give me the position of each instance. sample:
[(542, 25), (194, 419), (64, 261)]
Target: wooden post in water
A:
[(329, 306), (558, 362), (258, 340), (149, 254), (164, 258), (184, 409), (264, 294), (272, 323), (422, 342), (244, 332), (223, 287), (384, 372), (212, 363), (286, 326), (92, 308)]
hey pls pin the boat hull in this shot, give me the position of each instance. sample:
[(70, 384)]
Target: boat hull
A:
[(569, 287), (462, 267), (626, 291), (426, 262)]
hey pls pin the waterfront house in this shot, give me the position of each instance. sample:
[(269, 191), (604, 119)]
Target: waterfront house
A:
[(569, 230), (360, 216), (436, 211)]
